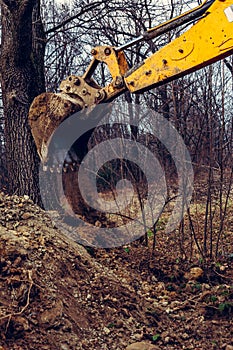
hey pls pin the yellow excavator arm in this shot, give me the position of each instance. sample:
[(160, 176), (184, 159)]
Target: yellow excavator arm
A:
[(208, 40)]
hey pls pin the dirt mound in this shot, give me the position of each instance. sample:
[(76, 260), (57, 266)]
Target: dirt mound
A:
[(55, 294)]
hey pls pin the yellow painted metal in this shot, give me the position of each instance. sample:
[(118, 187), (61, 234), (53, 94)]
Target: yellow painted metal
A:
[(209, 40), (116, 62), (176, 18)]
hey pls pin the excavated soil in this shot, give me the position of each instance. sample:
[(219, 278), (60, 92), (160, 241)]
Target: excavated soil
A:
[(56, 294)]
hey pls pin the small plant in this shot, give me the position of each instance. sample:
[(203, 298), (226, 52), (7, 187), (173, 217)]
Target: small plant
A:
[(196, 286), (170, 287), (172, 278), (201, 260), (156, 337), (213, 298), (150, 234), (127, 250), (225, 293), (161, 223), (225, 307), (111, 325), (214, 342)]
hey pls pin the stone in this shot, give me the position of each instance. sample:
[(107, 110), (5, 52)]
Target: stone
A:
[(119, 323), (26, 216), (106, 330), (194, 274), (50, 316), (64, 347), (142, 346), (20, 324)]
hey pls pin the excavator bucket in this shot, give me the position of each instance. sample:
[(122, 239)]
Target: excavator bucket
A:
[(47, 112)]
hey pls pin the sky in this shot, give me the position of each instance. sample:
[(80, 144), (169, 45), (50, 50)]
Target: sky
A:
[(70, 1), (63, 1), (165, 2)]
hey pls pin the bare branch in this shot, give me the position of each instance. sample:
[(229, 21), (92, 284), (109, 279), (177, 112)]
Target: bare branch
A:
[(77, 15), (228, 65)]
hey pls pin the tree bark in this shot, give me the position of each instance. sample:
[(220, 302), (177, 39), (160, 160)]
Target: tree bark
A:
[(22, 78)]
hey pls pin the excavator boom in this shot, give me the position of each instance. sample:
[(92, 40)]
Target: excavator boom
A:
[(208, 39), (206, 42)]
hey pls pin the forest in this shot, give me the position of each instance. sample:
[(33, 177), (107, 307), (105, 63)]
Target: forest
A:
[(116, 231)]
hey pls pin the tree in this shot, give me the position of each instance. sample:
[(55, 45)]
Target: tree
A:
[(22, 78)]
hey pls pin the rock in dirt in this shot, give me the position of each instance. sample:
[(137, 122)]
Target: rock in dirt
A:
[(142, 346), (52, 315), (194, 274), (55, 294), (229, 347)]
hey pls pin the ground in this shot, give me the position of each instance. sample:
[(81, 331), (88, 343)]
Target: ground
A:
[(57, 294)]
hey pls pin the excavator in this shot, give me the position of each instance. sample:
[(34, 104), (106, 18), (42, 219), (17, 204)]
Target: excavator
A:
[(208, 38)]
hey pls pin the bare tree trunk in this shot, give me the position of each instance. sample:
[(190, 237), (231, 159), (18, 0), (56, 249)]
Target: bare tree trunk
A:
[(22, 78)]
